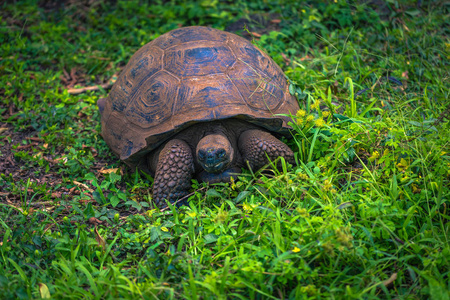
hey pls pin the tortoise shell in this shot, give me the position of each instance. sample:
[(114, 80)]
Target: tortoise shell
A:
[(190, 75)]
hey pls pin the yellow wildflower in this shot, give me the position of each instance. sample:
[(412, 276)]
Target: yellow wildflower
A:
[(302, 176), (302, 212), (149, 213), (325, 114), (248, 207), (315, 105), (374, 156), (327, 186), (233, 183), (319, 122), (192, 214), (301, 113), (402, 165), (299, 122), (296, 249), (309, 118)]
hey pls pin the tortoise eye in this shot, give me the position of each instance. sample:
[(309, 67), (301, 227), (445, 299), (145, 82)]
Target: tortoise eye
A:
[(221, 153), (201, 155)]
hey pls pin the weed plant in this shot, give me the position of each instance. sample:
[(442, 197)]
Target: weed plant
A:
[(364, 213)]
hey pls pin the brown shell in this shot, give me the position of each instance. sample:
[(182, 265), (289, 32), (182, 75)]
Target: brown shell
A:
[(190, 75)]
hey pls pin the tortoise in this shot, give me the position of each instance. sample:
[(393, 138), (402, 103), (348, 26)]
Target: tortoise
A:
[(197, 102)]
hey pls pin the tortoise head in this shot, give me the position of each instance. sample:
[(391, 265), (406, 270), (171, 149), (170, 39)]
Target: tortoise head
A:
[(214, 153)]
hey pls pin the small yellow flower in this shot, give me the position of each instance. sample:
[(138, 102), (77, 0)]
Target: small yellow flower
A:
[(299, 122), (315, 105), (325, 114), (233, 183), (319, 122), (302, 212), (149, 213), (248, 207), (309, 118), (192, 214), (296, 249), (164, 229), (374, 155), (327, 186), (301, 113), (402, 165), (302, 176)]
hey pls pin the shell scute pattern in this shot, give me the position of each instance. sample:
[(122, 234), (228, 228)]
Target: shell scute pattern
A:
[(153, 104), (257, 91), (187, 75), (215, 93), (198, 59), (259, 62)]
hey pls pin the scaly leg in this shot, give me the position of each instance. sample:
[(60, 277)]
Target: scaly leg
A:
[(256, 145), (174, 170)]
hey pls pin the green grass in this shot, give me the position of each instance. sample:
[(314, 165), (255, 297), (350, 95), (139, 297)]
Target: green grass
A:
[(364, 214)]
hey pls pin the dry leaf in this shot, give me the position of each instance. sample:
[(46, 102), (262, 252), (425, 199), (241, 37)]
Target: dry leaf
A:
[(255, 34), (3, 129), (38, 155), (108, 171), (48, 209), (276, 21), (83, 186), (100, 240), (94, 221)]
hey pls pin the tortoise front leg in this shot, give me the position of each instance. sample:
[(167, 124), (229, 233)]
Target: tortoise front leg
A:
[(173, 174), (256, 145)]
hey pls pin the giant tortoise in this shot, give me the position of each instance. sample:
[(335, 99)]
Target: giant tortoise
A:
[(200, 103)]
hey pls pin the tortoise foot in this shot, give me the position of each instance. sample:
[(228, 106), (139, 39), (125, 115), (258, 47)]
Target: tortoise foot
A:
[(173, 173), (257, 147)]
